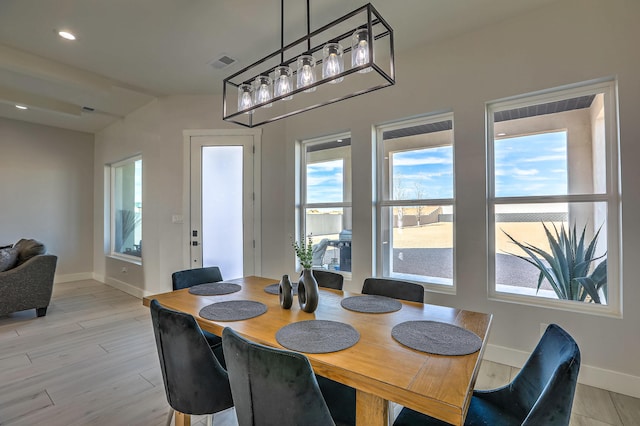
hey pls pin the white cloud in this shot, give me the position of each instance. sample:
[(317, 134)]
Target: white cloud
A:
[(421, 161), (522, 172), (544, 158)]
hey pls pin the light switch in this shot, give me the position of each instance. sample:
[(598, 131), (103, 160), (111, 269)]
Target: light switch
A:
[(177, 218)]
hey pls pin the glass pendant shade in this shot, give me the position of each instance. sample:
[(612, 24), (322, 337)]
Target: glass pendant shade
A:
[(360, 49), (332, 61), (282, 82), (306, 72), (262, 90), (245, 100)]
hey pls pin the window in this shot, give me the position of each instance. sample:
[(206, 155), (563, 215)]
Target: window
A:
[(126, 208), (553, 198), (326, 200), (416, 200)]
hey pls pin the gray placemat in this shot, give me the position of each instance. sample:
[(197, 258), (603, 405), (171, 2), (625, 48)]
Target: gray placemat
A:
[(233, 310), (371, 304), (437, 338), (274, 288), (214, 289), (317, 336)]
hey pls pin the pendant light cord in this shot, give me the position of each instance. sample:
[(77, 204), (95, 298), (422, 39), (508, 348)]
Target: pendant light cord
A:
[(308, 27), (281, 32)]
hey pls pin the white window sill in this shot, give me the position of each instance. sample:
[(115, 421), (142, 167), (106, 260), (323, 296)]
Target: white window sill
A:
[(125, 258), (548, 299)]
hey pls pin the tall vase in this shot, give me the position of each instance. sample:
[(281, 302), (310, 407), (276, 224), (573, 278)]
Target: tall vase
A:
[(308, 291), (286, 292)]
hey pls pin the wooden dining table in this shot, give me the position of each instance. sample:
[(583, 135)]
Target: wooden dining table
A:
[(377, 366)]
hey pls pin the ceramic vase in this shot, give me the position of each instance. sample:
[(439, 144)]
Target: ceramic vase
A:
[(308, 291), (286, 292)]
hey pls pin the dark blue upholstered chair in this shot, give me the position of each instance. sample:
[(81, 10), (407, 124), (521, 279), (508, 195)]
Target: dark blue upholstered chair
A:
[(189, 278), (541, 394), (194, 380), (396, 289), (328, 279), (272, 386)]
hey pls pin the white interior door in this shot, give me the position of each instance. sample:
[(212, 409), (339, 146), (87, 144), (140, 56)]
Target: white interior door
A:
[(223, 202)]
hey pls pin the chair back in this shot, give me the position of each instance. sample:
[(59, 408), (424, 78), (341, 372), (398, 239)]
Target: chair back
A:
[(328, 279), (543, 390), (272, 386), (396, 289), (190, 277), (194, 380)]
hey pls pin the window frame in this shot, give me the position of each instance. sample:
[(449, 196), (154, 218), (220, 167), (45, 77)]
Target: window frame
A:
[(303, 205), (382, 203), (612, 196), (112, 217)]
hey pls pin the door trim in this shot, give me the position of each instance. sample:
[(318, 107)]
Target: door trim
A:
[(257, 189)]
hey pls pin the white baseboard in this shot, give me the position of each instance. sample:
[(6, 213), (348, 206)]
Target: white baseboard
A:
[(66, 278), (610, 380), (127, 288), (99, 278)]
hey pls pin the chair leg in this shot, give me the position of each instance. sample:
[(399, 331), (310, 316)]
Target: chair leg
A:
[(209, 419), (183, 419), (170, 417), (41, 311)]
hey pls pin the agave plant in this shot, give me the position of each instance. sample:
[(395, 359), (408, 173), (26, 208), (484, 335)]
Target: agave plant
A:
[(568, 265)]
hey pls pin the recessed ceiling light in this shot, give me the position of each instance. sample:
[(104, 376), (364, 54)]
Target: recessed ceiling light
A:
[(21, 107), (501, 134), (66, 35)]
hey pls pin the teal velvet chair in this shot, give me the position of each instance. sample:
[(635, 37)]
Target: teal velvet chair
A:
[(328, 279), (189, 278), (273, 386), (540, 395), (195, 381), (396, 289)]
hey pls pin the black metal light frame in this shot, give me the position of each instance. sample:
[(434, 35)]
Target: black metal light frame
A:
[(379, 33)]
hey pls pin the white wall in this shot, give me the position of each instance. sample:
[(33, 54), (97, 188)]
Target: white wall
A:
[(566, 42), (156, 132), (46, 190)]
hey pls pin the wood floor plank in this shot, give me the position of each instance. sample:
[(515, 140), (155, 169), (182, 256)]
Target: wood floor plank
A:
[(492, 375), (596, 404), (23, 405), (628, 408)]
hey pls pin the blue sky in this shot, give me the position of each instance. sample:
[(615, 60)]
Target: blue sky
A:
[(531, 165), (324, 182), (424, 173)]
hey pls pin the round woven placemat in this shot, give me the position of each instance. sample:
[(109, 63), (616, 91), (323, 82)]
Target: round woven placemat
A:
[(437, 338), (214, 289), (233, 310), (274, 288), (317, 336), (371, 304)]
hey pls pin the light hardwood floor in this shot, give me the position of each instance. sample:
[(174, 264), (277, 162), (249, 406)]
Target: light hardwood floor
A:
[(92, 361)]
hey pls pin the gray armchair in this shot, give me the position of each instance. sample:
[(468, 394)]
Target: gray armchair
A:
[(28, 285)]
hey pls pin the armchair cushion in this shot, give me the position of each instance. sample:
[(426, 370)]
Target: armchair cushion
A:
[(28, 248), (8, 258)]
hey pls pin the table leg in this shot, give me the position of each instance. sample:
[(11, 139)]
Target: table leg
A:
[(371, 410)]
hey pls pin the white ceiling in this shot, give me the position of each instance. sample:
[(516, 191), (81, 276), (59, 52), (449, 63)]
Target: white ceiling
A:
[(129, 52)]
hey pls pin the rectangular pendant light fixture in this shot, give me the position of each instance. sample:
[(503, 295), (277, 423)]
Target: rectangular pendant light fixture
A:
[(350, 56)]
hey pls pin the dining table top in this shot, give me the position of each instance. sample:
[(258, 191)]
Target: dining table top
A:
[(380, 368)]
